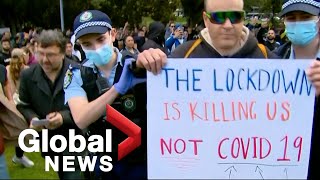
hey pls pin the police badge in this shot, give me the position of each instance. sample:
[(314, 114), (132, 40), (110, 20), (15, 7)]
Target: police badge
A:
[(67, 78), (128, 103)]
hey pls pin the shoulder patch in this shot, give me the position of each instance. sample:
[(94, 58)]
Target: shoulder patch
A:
[(67, 78)]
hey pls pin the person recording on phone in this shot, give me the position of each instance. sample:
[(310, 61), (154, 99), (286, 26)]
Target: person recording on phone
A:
[(176, 38), (41, 96)]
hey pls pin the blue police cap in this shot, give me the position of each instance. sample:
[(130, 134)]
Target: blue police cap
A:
[(308, 6), (91, 21)]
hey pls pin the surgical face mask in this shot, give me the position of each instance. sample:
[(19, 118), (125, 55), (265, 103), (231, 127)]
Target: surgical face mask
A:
[(302, 33), (101, 56)]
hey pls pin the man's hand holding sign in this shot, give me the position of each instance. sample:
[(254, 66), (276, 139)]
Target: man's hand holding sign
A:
[(241, 118)]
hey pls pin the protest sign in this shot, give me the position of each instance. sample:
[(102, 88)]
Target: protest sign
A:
[(230, 119)]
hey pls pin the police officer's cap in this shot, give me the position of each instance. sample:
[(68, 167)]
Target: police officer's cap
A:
[(91, 21), (308, 6)]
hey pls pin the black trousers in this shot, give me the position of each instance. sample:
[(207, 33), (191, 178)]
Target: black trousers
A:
[(76, 174)]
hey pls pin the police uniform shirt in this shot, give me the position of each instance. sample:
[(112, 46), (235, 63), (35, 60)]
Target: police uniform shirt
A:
[(292, 54), (73, 86)]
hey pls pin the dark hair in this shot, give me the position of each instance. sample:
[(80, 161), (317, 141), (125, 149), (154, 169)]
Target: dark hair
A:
[(5, 40), (126, 37), (52, 38), (68, 41)]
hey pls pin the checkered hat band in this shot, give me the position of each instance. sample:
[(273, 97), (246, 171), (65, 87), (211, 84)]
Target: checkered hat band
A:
[(92, 23), (310, 2)]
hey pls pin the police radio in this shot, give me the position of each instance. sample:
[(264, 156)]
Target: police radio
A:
[(102, 84)]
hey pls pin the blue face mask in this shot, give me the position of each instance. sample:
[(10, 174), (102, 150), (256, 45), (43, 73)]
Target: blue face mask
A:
[(302, 33), (101, 56)]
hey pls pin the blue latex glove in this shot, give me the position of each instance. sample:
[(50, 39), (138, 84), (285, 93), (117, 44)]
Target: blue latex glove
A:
[(127, 79)]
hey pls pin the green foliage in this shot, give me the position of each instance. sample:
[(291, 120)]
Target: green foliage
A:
[(193, 11), (46, 13), (265, 6)]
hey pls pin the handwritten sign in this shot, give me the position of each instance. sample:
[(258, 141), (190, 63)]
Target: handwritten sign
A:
[(230, 119)]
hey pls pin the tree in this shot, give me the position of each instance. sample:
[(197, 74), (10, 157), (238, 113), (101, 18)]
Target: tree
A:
[(17, 14), (162, 10), (193, 10), (266, 6)]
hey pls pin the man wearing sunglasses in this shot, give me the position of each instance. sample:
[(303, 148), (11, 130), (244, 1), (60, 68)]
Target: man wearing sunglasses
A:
[(175, 39), (301, 18), (225, 35)]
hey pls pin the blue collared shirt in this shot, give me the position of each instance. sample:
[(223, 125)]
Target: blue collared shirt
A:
[(292, 54), (74, 89)]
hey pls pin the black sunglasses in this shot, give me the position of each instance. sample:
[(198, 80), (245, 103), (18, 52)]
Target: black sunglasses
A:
[(220, 17)]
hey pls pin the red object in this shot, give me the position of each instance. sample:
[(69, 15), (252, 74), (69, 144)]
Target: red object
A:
[(126, 126)]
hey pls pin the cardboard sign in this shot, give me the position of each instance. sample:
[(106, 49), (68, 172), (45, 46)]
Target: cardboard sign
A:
[(230, 119)]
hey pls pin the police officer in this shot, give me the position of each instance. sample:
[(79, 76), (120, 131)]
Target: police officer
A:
[(105, 78), (302, 26)]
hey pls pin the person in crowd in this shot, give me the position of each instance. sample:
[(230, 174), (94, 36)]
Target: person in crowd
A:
[(263, 32), (7, 35), (155, 37), (176, 39), (139, 40), (302, 26), (5, 53), (30, 49), (41, 96), (270, 42), (20, 40), (169, 30), (69, 50), (16, 66), (77, 50), (129, 49), (191, 33), (144, 28), (5, 87), (27, 56)]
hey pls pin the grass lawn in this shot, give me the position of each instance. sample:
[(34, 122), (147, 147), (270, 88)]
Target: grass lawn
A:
[(17, 171)]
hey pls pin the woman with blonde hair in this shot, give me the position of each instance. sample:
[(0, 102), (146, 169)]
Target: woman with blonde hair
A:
[(17, 64)]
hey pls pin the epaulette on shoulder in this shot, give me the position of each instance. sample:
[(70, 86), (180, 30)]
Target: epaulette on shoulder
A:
[(74, 66)]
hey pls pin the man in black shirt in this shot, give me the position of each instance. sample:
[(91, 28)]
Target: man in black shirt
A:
[(42, 96), (69, 49), (271, 43), (5, 52)]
